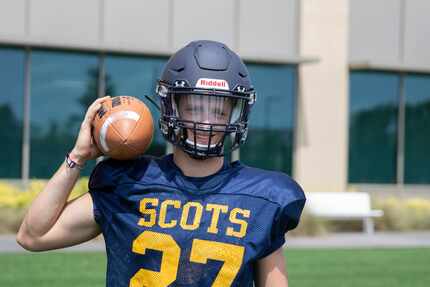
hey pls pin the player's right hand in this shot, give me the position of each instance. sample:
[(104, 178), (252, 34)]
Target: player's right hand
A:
[(85, 147)]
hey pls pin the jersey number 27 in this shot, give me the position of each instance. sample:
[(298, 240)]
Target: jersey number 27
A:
[(201, 251)]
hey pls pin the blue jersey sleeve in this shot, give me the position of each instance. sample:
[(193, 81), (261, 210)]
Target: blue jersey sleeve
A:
[(106, 174), (101, 184), (291, 200), (105, 178)]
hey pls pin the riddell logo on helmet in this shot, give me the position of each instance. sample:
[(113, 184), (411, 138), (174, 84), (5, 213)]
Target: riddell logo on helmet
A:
[(212, 84)]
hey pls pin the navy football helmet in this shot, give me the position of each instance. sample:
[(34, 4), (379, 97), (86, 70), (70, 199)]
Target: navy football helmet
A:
[(206, 96)]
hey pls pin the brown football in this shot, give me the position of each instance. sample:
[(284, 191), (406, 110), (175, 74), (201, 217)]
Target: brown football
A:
[(123, 127)]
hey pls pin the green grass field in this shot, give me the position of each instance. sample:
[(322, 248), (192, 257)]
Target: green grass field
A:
[(306, 267), (359, 267)]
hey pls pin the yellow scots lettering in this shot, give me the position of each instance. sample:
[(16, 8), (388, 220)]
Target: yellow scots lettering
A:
[(163, 213), (243, 224), (189, 216), (197, 217), (144, 209), (217, 209)]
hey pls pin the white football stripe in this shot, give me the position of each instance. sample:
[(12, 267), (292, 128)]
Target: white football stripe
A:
[(110, 120)]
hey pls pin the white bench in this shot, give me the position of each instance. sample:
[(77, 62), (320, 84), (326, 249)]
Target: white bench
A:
[(343, 206)]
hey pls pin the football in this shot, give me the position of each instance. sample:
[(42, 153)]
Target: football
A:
[(123, 127)]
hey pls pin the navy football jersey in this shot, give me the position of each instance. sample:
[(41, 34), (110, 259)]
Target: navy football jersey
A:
[(163, 228)]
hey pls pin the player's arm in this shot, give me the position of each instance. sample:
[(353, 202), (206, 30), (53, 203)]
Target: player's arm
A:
[(50, 221), (75, 224), (271, 270)]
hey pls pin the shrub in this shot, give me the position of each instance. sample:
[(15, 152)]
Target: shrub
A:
[(400, 214), (15, 200), (11, 196), (311, 226), (404, 213)]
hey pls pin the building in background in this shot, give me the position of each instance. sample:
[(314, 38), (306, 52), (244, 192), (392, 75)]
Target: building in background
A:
[(343, 85)]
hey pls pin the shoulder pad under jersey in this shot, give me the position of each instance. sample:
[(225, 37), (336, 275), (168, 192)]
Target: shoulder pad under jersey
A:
[(110, 172), (281, 189)]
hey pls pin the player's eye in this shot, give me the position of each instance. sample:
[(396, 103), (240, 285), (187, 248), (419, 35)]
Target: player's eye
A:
[(194, 109), (219, 113)]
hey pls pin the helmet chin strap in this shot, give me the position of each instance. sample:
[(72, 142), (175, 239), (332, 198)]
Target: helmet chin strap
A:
[(196, 156)]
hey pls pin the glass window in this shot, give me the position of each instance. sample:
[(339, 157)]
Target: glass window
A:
[(63, 85), (270, 138), (11, 111), (137, 76), (373, 109), (417, 129)]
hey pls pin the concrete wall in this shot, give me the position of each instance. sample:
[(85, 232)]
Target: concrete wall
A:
[(259, 30), (137, 25), (390, 32), (268, 28), (13, 22), (320, 159)]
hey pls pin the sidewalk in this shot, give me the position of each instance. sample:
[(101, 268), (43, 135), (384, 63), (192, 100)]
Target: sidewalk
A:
[(362, 240), (8, 244), (337, 240)]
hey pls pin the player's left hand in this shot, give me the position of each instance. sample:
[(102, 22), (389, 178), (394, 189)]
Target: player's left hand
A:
[(85, 147)]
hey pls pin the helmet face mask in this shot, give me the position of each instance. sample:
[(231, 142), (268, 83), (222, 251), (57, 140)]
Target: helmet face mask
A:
[(199, 111)]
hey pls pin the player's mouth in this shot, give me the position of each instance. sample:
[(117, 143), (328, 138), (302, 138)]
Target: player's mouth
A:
[(202, 139), (201, 144)]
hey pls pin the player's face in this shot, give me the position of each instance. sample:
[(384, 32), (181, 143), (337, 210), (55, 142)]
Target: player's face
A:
[(205, 110)]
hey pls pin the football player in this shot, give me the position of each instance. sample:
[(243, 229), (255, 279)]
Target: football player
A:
[(190, 218)]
